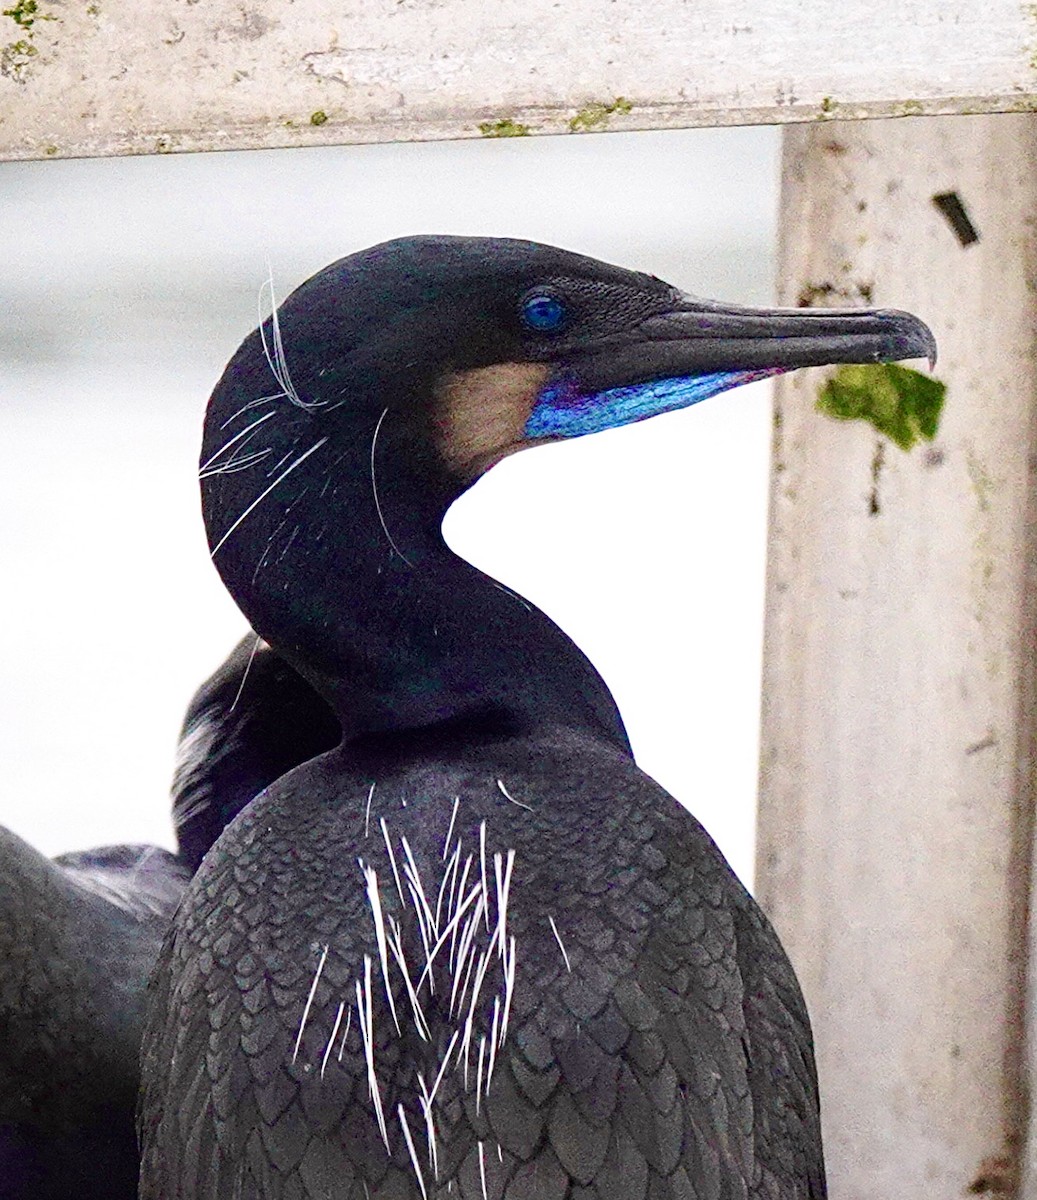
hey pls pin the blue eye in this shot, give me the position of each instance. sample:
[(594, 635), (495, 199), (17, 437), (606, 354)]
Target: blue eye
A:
[(543, 312)]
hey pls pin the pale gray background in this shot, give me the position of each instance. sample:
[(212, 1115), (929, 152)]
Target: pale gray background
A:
[(124, 287)]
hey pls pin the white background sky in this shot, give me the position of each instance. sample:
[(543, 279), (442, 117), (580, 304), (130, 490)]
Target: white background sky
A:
[(125, 286)]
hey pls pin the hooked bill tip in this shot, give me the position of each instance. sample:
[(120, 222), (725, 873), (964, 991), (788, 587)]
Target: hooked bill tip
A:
[(916, 338)]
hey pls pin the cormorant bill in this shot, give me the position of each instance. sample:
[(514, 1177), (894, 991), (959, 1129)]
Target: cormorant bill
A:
[(473, 952), (79, 936)]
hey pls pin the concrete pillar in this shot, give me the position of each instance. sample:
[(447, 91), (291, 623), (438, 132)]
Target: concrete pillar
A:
[(898, 702)]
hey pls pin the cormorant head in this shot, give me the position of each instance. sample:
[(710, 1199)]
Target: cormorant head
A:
[(345, 426), (485, 346)]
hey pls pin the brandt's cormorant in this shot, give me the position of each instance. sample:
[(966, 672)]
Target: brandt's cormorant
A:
[(79, 936), (472, 952)]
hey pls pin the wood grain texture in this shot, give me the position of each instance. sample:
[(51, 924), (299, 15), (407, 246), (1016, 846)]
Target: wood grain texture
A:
[(898, 682), (100, 79)]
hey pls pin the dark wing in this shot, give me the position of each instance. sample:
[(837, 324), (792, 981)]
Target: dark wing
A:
[(78, 938), (783, 1072), (677, 1060), (227, 1110)]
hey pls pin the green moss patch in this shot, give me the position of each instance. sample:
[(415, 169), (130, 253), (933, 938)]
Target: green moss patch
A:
[(16, 58), (902, 404), (503, 128), (23, 14), (596, 116), (26, 13)]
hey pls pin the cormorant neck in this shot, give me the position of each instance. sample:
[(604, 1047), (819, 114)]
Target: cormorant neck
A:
[(331, 544)]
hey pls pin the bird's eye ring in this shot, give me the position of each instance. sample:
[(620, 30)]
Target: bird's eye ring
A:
[(543, 312)]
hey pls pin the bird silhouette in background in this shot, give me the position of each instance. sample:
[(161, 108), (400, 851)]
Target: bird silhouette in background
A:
[(80, 933)]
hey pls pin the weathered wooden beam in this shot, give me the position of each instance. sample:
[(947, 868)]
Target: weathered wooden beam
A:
[(99, 77), (898, 710)]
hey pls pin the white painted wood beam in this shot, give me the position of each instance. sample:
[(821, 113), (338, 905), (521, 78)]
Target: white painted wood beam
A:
[(102, 77), (898, 707)]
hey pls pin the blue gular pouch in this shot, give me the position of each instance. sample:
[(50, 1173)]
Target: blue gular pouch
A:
[(563, 410)]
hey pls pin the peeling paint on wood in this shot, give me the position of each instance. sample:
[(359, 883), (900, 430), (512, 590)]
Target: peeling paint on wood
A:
[(92, 79)]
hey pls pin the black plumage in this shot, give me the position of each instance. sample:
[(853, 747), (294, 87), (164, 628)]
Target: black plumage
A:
[(473, 951), (79, 936), (251, 722)]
